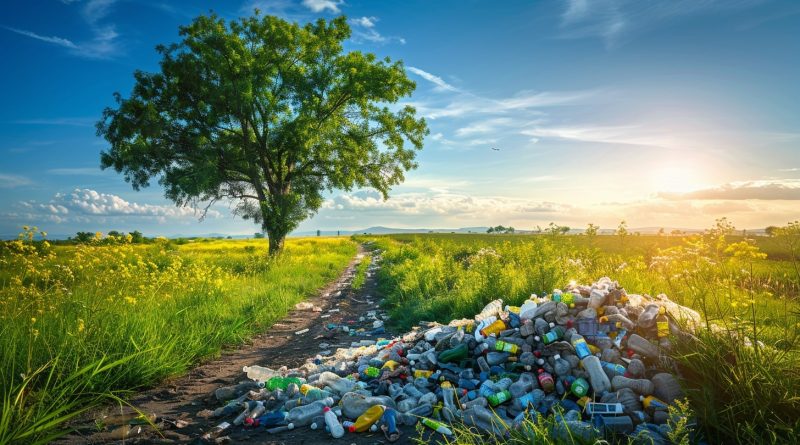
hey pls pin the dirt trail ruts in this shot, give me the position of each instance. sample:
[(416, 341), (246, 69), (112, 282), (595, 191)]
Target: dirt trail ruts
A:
[(185, 396)]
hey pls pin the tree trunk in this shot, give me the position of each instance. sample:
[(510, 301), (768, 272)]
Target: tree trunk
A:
[(276, 240)]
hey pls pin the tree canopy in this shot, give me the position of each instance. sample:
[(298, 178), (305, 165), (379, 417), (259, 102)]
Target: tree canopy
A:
[(267, 114)]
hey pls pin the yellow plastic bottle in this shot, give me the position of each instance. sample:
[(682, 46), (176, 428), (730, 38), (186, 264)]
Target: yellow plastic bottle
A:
[(366, 420), (494, 328), (662, 323), (391, 365)]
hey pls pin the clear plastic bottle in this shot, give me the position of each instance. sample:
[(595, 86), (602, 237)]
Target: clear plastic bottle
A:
[(597, 377), (260, 373), (336, 429), (640, 386), (303, 415)]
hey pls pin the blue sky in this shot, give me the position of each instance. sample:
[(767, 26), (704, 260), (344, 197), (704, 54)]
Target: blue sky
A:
[(664, 113)]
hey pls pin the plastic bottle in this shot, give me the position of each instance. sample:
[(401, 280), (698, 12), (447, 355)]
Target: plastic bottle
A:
[(580, 345), (662, 323), (259, 373), (496, 358), (267, 420), (597, 377), (499, 397), (282, 382), (502, 346), (302, 415), (336, 429), (635, 369), (230, 392), (546, 381), (453, 355), (527, 310), (647, 319), (613, 369), (366, 420), (561, 366), (495, 328), (492, 309), (579, 387), (227, 410), (389, 419), (217, 431), (541, 326), (450, 410), (553, 335), (642, 346), (436, 426), (640, 386), (338, 384)]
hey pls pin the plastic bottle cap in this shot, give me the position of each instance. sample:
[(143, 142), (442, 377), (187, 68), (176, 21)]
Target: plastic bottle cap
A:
[(552, 325), (557, 356), (290, 426), (641, 398), (326, 409), (313, 426)]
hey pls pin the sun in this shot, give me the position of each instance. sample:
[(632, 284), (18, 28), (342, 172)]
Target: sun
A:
[(676, 179)]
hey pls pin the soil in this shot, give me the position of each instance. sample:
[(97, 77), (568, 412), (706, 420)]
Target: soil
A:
[(181, 399)]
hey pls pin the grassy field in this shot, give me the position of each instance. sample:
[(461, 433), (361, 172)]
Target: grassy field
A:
[(749, 288), (80, 324)]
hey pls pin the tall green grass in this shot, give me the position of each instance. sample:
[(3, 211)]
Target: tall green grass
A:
[(80, 324), (746, 296)]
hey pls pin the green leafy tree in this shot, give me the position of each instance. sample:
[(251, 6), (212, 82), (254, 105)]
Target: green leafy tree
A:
[(84, 237), (136, 237), (591, 230), (268, 114)]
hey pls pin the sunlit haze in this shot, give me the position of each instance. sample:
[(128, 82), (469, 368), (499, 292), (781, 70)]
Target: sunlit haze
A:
[(665, 114)]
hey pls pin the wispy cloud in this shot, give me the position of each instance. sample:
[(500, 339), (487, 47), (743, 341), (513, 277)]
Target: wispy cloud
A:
[(102, 45), (323, 5), (773, 189), (613, 20), (9, 181), (793, 169), (434, 79), (364, 30), (66, 43)]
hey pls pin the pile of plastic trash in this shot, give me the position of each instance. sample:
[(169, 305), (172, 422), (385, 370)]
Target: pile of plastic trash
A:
[(593, 356)]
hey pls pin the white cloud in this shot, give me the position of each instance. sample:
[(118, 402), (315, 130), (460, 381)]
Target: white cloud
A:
[(66, 43), (628, 135), (83, 205), (485, 126), (434, 79), (364, 29), (8, 181), (102, 45), (440, 203), (771, 189), (323, 5)]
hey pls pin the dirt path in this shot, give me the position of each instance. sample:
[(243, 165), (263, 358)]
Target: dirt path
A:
[(180, 400)]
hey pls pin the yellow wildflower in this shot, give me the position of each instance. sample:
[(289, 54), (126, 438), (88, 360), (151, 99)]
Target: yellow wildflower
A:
[(81, 325)]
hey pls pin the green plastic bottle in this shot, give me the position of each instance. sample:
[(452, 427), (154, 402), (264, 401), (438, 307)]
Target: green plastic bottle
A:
[(282, 382), (453, 355), (555, 334), (580, 387), (499, 397)]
